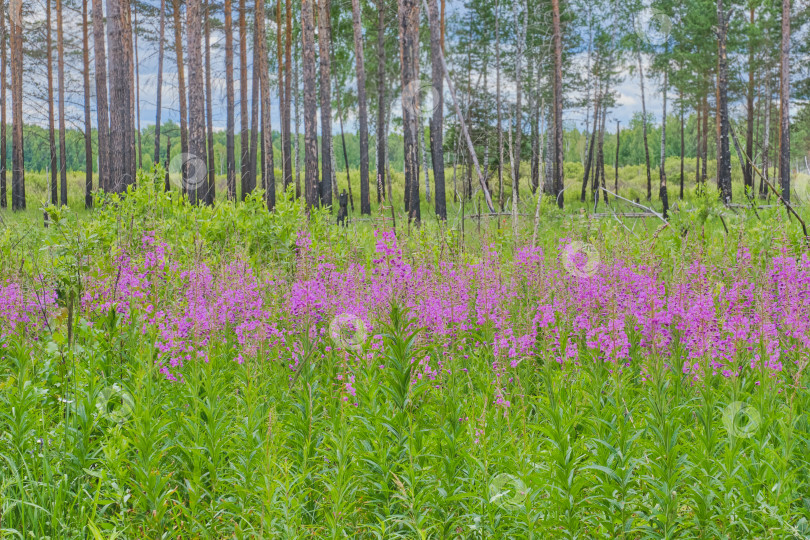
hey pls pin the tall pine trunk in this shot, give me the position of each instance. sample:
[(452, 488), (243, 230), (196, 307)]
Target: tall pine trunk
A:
[(521, 44), (268, 162), (197, 179), (365, 203), (310, 106), (137, 89), (88, 125), (437, 121), (559, 172), (381, 97), (119, 35), (748, 172), (3, 84), (18, 158), (60, 70), (159, 89), (53, 158), (211, 188), (181, 86), (324, 47), (230, 104), (662, 188), (409, 55), (499, 110), (102, 107), (724, 157), (286, 149), (644, 124), (255, 98), (244, 121), (784, 104)]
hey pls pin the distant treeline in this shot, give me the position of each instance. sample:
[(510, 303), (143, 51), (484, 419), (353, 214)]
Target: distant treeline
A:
[(631, 148)]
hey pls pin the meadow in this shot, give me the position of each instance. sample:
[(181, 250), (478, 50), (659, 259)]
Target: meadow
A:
[(177, 372)]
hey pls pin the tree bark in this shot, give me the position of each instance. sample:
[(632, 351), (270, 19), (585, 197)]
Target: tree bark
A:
[(365, 203), (197, 183), (268, 161), (119, 35), (437, 120), (88, 125), (181, 85), (381, 97), (409, 55), (644, 125), (683, 150), (724, 158), (255, 97), (244, 120), (748, 173), (784, 104), (558, 105), (137, 89), (211, 188), (102, 107), (311, 190), (159, 89), (3, 84), (18, 158), (60, 69), (324, 47), (521, 44), (285, 117), (499, 110), (53, 158), (230, 104), (616, 162), (662, 188)]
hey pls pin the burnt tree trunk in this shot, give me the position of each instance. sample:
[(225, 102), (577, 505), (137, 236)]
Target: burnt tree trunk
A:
[(268, 161), (181, 87), (3, 83), (52, 156), (286, 148), (230, 104)]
